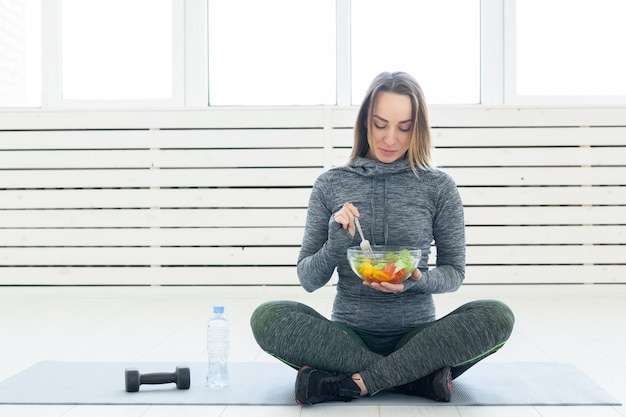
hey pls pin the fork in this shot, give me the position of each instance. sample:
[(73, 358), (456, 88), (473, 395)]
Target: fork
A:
[(365, 244)]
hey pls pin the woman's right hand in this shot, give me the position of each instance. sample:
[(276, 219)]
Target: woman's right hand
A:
[(345, 217)]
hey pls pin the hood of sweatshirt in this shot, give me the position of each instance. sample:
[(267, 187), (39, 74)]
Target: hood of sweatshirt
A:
[(373, 168), (378, 173)]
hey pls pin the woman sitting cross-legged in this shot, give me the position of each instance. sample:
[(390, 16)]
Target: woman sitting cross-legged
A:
[(383, 335)]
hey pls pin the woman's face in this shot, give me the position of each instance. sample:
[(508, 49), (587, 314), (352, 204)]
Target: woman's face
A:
[(390, 127)]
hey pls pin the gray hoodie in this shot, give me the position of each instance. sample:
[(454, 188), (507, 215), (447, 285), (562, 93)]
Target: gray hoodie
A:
[(397, 207)]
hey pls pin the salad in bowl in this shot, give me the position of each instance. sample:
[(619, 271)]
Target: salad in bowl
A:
[(392, 264)]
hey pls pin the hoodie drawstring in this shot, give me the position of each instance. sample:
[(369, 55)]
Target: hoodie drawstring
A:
[(372, 239), (385, 219), (384, 207)]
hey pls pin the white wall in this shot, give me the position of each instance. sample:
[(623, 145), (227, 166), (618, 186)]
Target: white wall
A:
[(218, 196)]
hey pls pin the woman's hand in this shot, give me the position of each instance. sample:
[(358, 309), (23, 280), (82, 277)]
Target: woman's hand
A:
[(345, 217), (392, 288)]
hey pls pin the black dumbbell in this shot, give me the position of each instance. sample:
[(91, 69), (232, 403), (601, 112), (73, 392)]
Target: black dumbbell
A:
[(182, 378)]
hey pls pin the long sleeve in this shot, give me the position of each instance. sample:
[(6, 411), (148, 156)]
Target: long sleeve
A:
[(449, 238), (320, 255)]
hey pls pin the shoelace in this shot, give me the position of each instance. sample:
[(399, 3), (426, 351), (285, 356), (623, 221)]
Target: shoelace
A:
[(333, 387)]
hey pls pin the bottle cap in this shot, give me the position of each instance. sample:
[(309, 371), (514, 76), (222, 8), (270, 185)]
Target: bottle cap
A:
[(218, 309)]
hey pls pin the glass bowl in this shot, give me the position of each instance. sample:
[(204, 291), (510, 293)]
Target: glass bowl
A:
[(388, 264)]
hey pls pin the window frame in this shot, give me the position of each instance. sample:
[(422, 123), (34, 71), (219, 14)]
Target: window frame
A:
[(182, 72), (190, 61)]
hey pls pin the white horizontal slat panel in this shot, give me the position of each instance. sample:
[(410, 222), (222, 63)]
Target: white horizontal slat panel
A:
[(526, 176), (512, 157), (529, 136), (272, 117), (534, 116), (75, 139), (227, 236), (173, 139), (88, 178), (215, 158), (189, 275), (253, 236), (476, 255), (196, 236), (131, 256), (531, 196), (502, 117), (273, 275), (235, 158), (546, 255), (544, 274), (55, 159), (537, 235), (172, 197), (153, 218), (515, 137), (235, 197), (235, 177), (306, 116), (237, 138), (147, 198), (485, 216), (520, 216)]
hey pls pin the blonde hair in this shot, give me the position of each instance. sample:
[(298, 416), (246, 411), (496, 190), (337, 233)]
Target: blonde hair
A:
[(419, 152)]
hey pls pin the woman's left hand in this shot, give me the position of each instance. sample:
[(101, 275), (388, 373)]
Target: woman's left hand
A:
[(385, 286), (390, 287)]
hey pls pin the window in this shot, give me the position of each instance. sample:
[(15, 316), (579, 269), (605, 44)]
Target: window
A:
[(194, 53), (20, 53), (438, 42), (116, 49), (567, 48), (278, 52)]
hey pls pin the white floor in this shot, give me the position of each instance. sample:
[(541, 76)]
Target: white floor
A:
[(581, 324)]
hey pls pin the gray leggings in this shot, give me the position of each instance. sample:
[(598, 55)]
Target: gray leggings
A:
[(298, 335)]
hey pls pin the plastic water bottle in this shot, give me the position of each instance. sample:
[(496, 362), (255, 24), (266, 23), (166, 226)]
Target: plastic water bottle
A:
[(218, 341)]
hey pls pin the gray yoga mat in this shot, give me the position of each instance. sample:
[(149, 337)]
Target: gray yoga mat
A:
[(488, 383)]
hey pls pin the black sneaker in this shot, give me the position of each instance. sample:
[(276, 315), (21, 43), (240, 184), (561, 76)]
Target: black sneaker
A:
[(436, 386), (315, 386)]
